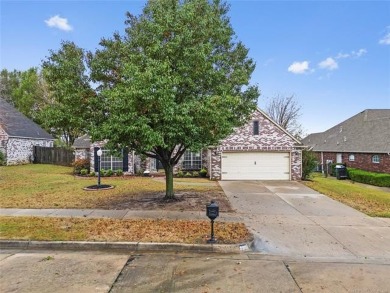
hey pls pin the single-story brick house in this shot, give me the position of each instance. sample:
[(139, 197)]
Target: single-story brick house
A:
[(259, 150), (362, 141), (19, 135)]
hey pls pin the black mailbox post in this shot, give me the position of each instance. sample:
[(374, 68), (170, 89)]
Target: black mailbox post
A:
[(212, 211)]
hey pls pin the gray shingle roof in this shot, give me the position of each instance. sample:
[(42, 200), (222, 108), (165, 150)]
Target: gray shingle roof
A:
[(15, 124), (366, 132), (82, 142)]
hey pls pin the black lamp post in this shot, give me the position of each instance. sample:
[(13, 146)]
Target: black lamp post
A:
[(99, 154), (212, 211)]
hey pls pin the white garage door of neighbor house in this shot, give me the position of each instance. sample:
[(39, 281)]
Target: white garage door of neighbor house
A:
[(255, 166)]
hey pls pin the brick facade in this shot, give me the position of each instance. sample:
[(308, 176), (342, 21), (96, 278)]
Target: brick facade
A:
[(20, 150), (361, 161), (270, 138)]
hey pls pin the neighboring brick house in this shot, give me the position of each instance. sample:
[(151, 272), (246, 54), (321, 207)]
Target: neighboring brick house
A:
[(362, 141), (259, 150), (19, 135)]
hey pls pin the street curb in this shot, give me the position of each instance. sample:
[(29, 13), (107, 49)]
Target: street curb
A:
[(119, 246)]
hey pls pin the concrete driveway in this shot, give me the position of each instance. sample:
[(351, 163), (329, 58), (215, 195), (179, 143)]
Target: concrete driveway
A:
[(288, 218)]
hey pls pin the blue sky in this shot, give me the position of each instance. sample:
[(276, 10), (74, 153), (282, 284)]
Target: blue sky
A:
[(333, 56)]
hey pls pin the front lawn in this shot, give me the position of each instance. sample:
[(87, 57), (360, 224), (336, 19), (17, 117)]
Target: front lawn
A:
[(369, 200), (50, 186), (131, 230)]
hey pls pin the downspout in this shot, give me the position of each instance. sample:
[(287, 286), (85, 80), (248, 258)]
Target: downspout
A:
[(133, 166), (322, 163), (209, 155)]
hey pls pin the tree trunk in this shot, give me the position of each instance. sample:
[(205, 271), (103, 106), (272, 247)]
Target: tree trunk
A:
[(169, 182)]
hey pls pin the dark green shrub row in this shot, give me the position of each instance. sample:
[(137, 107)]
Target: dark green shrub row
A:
[(201, 173), (372, 178)]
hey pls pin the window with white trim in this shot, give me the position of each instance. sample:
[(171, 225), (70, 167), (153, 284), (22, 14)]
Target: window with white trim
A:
[(351, 157), (110, 162), (376, 159), (192, 161)]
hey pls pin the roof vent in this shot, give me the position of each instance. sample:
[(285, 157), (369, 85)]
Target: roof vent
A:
[(345, 138), (341, 129)]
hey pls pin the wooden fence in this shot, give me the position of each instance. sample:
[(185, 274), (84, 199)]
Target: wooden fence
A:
[(52, 155)]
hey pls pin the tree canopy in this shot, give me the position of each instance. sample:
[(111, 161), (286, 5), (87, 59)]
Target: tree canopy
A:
[(66, 112), (176, 80)]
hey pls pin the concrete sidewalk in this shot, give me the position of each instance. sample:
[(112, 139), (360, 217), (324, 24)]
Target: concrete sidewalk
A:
[(118, 214), (97, 271)]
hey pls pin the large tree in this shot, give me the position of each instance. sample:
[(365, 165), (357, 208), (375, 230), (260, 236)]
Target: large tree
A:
[(9, 80), (25, 90), (30, 94), (177, 80), (66, 112), (285, 110)]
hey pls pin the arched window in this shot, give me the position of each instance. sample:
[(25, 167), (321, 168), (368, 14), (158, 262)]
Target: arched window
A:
[(351, 158)]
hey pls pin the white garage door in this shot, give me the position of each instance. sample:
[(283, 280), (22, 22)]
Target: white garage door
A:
[(255, 166)]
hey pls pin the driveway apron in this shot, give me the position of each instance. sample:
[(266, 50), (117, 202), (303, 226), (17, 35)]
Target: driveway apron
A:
[(288, 218)]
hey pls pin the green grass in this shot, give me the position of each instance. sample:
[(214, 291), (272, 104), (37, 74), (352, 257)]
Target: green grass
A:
[(369, 200), (50, 186)]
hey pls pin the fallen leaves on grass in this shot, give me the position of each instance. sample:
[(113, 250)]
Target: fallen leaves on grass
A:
[(131, 230)]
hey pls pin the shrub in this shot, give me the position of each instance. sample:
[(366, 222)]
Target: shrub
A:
[(119, 172), (203, 172), (109, 173), (372, 178), (195, 174), (309, 162), (92, 174), (80, 164), (2, 159), (83, 172), (180, 174), (188, 174)]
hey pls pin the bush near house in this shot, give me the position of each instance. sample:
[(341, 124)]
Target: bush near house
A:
[(372, 178), (81, 164), (2, 159)]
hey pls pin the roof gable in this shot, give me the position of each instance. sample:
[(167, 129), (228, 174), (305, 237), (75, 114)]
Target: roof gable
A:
[(367, 131), (15, 124)]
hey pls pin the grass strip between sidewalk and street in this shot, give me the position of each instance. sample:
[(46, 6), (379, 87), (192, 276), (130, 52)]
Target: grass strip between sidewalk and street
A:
[(131, 230), (367, 199)]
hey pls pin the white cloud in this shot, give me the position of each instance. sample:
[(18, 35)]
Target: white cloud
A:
[(329, 64), (386, 39), (353, 54), (59, 22), (342, 56), (359, 53), (299, 67)]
